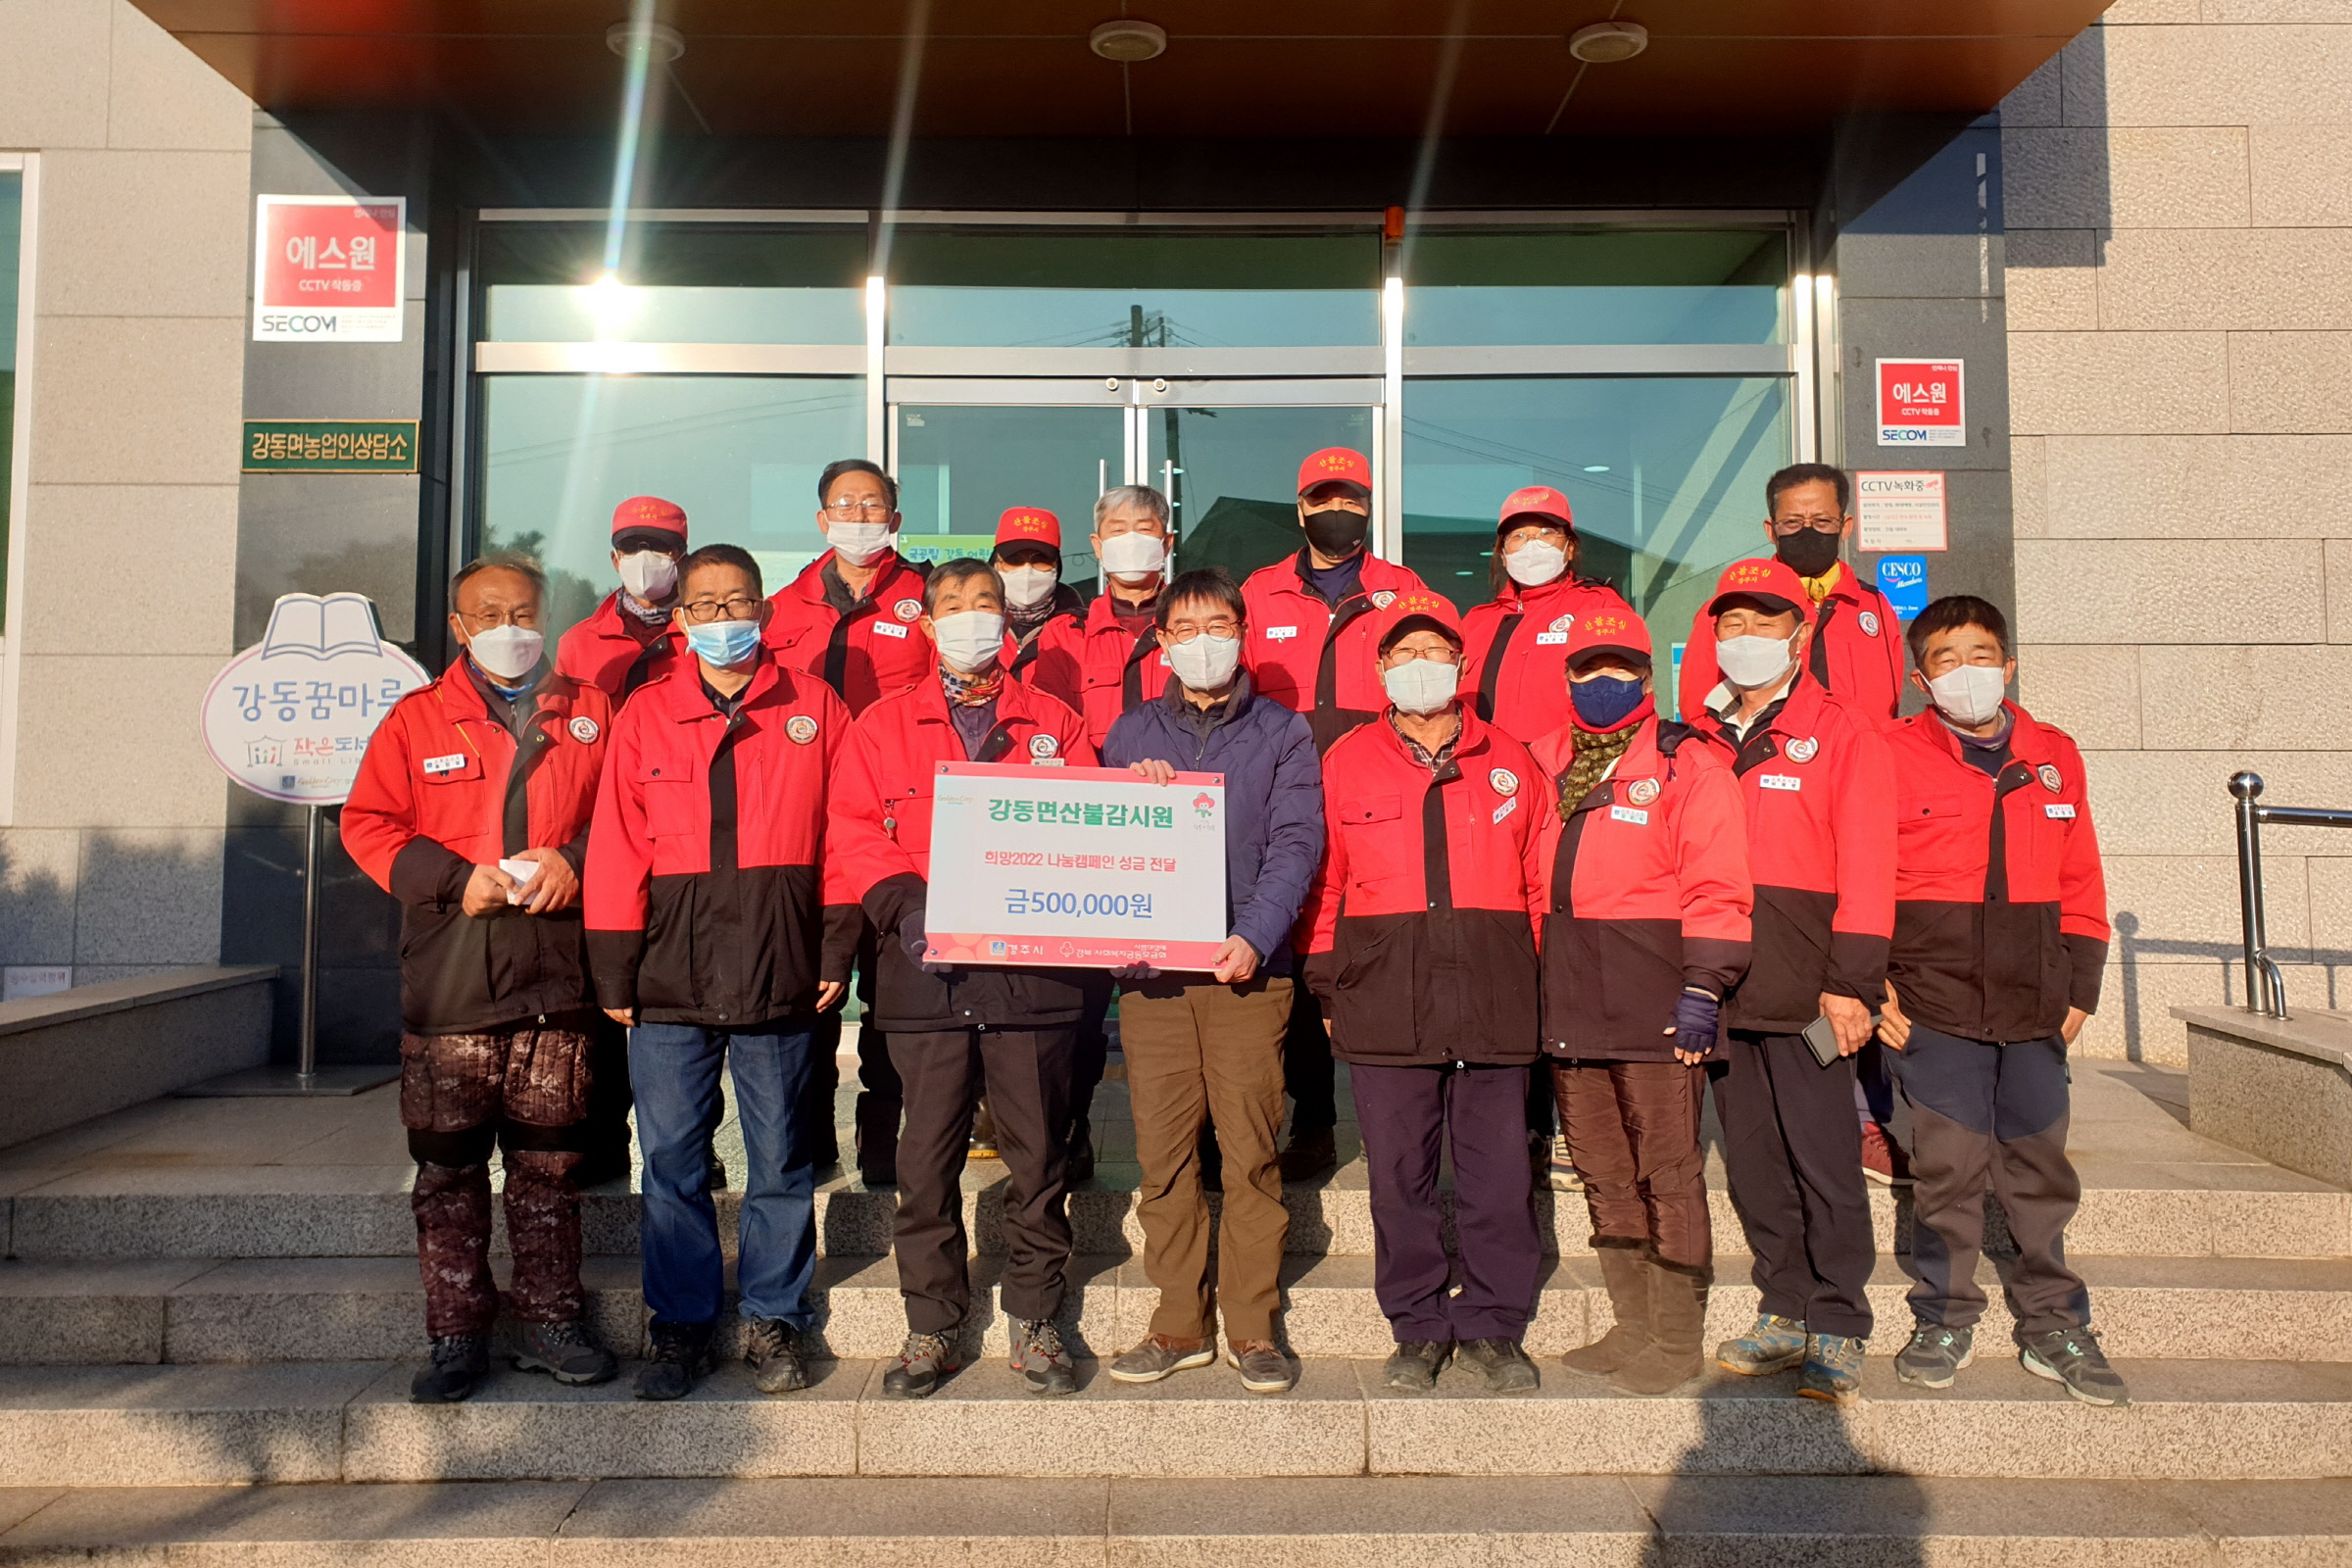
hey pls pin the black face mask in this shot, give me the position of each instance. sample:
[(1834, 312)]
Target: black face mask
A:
[(1337, 533), (1808, 552)]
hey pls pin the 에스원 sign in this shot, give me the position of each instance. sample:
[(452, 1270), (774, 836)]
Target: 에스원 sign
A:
[(1922, 402), (1088, 867), (328, 268), (290, 716)]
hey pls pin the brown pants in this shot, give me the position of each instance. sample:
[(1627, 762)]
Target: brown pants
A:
[(1633, 1131), (1203, 1050)]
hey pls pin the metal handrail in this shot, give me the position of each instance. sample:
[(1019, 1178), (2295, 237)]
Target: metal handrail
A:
[(2266, 988)]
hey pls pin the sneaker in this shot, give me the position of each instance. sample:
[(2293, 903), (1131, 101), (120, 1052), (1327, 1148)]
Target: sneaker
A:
[(1562, 1169), (460, 1364), (776, 1354), (1311, 1155), (681, 1354), (2073, 1356), (1935, 1355), (1832, 1368), (565, 1352), (1263, 1368), (1504, 1362), (1775, 1344), (922, 1361), (1158, 1355), (1883, 1160), (1041, 1359), (1415, 1365)]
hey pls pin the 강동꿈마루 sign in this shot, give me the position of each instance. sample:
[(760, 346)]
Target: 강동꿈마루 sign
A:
[(290, 716)]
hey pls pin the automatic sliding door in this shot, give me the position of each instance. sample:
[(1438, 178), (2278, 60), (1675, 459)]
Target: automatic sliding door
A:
[(961, 465), (1231, 472)]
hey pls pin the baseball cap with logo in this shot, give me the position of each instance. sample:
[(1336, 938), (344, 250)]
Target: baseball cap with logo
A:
[(1029, 525), (1536, 500), (1338, 465), (1766, 582), (1611, 630), (649, 522), (1416, 610)]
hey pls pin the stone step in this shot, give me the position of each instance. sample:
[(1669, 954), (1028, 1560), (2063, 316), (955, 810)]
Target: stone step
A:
[(192, 1312), (362, 1211), (2193, 1421), (1590, 1522)]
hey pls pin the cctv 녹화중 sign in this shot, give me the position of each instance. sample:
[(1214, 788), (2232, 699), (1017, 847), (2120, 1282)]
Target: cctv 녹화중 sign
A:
[(331, 446), (328, 268), (1900, 509), (1922, 404)]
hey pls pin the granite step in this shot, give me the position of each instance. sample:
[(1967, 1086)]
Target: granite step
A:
[(1351, 1522), (351, 1421), (199, 1311)]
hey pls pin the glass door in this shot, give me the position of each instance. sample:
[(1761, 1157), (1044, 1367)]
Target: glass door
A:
[(1230, 469), (962, 457)]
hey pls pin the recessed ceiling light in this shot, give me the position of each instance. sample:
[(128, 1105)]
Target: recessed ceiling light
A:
[(1604, 43), (662, 41), (1596, 468), (1128, 41)]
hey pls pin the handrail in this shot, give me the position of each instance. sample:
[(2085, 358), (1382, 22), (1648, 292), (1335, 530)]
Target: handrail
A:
[(2266, 986)]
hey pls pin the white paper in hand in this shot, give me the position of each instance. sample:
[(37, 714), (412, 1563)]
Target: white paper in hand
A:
[(521, 871)]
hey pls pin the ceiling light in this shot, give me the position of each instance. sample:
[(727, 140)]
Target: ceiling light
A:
[(1604, 43), (1596, 468), (662, 41), (1128, 41)]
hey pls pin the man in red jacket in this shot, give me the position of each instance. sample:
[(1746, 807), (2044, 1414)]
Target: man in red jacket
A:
[(1120, 664), (629, 639), (1044, 616), (1309, 648), (2000, 940), (471, 809)]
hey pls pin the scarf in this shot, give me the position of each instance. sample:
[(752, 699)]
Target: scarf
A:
[(651, 615), (1818, 588), (975, 690), (1595, 753)]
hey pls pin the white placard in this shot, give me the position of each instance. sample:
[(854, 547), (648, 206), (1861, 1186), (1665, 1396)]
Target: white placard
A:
[(1901, 511), (290, 716), (329, 269)]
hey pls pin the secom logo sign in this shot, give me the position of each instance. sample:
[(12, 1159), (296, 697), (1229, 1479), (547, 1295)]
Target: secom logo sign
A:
[(278, 324)]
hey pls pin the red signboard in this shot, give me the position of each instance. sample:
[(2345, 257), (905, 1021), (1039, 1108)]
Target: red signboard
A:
[(328, 268), (1922, 404)]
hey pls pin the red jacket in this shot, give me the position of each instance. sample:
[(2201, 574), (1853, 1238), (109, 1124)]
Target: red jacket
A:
[(879, 856), (1118, 671), (1856, 653), (1820, 794), (703, 868), (1515, 653), (874, 651), (433, 800), (1420, 926), (1648, 892), (1050, 661), (616, 652), (1313, 657), (2001, 918)]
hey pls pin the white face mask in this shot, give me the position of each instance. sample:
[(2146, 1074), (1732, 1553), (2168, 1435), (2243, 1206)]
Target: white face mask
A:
[(970, 639), (1206, 663), (858, 542), (648, 575), (1421, 685), (1753, 662), (1536, 562), (508, 653), (1969, 694), (1026, 587), (1133, 555)]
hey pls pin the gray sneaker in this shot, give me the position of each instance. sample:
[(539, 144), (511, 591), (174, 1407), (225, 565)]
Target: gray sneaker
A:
[(1157, 1356), (923, 1362), (1263, 1368), (1775, 1344), (1935, 1355), (2073, 1356), (1832, 1368), (1041, 1359)]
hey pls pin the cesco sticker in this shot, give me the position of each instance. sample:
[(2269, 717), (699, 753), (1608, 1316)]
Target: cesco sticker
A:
[(1870, 622), (1044, 746), (1505, 781), (1642, 791), (2048, 773), (799, 729), (907, 609), (584, 730), (1800, 751)]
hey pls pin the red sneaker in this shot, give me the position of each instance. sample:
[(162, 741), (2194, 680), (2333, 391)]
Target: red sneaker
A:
[(1883, 1160)]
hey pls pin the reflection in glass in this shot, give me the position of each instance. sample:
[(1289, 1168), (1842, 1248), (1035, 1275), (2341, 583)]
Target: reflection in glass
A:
[(961, 469), (1630, 286), (547, 313), (1232, 475), (679, 283)]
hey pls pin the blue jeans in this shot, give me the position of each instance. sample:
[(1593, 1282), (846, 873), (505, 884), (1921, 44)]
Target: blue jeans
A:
[(674, 1068)]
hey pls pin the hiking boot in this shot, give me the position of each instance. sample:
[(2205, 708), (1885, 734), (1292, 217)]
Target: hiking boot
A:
[(922, 1361), (719, 1175), (1158, 1355), (1832, 1368), (1263, 1368), (1775, 1344), (1626, 1273), (1414, 1364), (1560, 1170), (776, 1354), (1934, 1357), (1504, 1362), (1678, 1326), (565, 1352), (983, 1143), (1312, 1152), (681, 1354), (2073, 1356), (1883, 1158), (460, 1364), (1041, 1359)]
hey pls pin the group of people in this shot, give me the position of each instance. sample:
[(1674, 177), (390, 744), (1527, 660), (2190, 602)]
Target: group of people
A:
[(1465, 855)]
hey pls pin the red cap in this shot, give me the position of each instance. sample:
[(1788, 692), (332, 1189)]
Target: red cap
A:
[(1768, 581), (1615, 630), (1335, 463), (1029, 525), (651, 515), (1409, 607), (1537, 501)]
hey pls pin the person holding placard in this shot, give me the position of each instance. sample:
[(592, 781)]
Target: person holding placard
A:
[(957, 1030)]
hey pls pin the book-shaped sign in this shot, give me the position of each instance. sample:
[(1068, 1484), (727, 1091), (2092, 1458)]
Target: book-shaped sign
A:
[(290, 716)]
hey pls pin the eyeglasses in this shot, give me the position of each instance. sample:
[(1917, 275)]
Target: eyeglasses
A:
[(1186, 631), (851, 508), (1436, 656), (703, 611), (1785, 527), (525, 617)]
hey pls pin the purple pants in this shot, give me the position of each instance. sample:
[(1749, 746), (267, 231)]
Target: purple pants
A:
[(1407, 1115)]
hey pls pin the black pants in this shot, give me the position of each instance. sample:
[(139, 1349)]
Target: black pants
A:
[(1308, 1074), (875, 1075), (1088, 1057), (1794, 1152), (1026, 1076)]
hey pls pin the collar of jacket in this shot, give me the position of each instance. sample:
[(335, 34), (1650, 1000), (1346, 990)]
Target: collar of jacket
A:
[(1852, 588), (1236, 704), (1517, 601), (460, 700), (1468, 742), (811, 583), (681, 690), (2029, 741), (1377, 574), (1101, 617), (1015, 703), (1800, 714)]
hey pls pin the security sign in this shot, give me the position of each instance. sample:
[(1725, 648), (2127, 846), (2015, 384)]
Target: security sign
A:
[(1921, 404), (328, 268), (290, 716)]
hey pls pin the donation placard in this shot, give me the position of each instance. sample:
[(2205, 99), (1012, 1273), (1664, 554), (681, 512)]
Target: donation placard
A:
[(1088, 867)]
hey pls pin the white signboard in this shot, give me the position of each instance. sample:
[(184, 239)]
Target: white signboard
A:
[(1899, 511), (1084, 866), (290, 716)]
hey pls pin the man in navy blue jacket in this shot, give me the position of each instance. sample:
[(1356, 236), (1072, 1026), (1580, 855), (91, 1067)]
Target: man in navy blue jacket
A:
[(1207, 1046)]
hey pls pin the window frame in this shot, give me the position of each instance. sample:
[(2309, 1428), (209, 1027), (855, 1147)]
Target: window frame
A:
[(26, 166)]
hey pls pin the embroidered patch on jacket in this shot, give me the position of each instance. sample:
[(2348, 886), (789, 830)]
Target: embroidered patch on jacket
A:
[(583, 729), (907, 609), (1382, 598), (1800, 751), (1505, 781), (1642, 791), (2048, 774), (1044, 746), (1869, 622), (799, 729)]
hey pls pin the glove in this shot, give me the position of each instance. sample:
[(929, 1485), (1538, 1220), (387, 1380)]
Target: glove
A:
[(1697, 1019), (914, 941)]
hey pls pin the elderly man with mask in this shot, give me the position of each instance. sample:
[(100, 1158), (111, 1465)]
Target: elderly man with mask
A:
[(1044, 617), (629, 639)]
